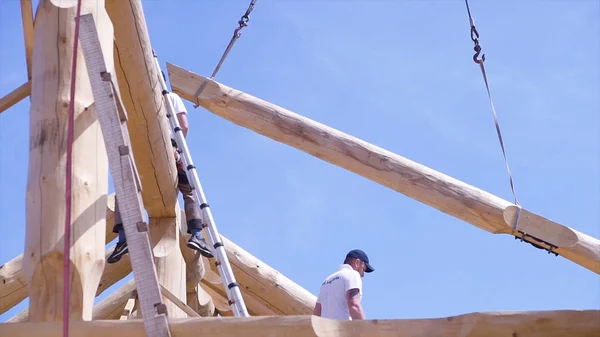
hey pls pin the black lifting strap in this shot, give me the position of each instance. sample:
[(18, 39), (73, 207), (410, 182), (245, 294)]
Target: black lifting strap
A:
[(480, 60)]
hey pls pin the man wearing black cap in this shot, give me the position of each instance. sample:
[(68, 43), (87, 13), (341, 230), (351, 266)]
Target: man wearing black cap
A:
[(341, 292)]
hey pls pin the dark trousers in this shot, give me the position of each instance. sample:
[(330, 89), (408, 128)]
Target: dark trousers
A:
[(190, 204)]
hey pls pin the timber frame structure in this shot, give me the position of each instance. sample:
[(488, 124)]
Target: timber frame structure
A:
[(193, 291)]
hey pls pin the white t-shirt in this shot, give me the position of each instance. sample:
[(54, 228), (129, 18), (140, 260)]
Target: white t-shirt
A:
[(178, 107), (332, 295)]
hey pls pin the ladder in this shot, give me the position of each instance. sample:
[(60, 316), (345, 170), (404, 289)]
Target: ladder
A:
[(113, 122), (232, 288)]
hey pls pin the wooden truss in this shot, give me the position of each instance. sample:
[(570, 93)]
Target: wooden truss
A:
[(193, 291)]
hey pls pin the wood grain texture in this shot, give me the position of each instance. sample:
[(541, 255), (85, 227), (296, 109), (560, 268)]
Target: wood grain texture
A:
[(585, 323), (45, 202), (141, 94), (389, 169)]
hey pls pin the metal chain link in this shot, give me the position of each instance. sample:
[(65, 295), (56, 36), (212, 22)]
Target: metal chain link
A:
[(243, 22)]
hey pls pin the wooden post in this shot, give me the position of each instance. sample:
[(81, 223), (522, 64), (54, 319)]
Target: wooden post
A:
[(414, 180), (170, 266), (45, 204)]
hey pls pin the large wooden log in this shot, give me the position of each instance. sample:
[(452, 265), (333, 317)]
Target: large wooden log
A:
[(45, 202), (521, 324), (414, 180), (141, 94)]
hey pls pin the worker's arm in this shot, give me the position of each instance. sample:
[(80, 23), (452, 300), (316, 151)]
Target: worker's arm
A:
[(183, 123), (180, 111), (317, 309), (353, 299)]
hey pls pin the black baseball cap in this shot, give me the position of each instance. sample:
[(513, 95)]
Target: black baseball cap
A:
[(359, 254)]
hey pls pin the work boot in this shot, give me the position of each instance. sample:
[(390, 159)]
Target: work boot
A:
[(198, 243), (120, 250)]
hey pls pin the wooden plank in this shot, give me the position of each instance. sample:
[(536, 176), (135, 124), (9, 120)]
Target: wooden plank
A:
[(122, 167), (584, 323), (389, 169), (15, 96), (28, 32)]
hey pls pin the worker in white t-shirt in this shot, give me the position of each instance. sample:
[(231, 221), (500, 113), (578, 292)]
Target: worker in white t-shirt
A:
[(191, 206), (341, 292)]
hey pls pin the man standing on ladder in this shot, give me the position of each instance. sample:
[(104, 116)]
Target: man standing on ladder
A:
[(192, 209), (341, 292)]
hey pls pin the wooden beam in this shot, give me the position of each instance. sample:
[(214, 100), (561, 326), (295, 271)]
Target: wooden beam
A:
[(176, 301), (414, 180), (45, 204), (28, 32), (255, 306), (112, 306), (142, 96), (15, 96), (13, 284), (265, 284), (585, 323)]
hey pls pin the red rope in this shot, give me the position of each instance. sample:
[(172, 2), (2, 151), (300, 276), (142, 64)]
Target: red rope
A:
[(68, 183)]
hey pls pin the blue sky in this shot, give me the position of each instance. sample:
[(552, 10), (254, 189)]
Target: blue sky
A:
[(398, 74)]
